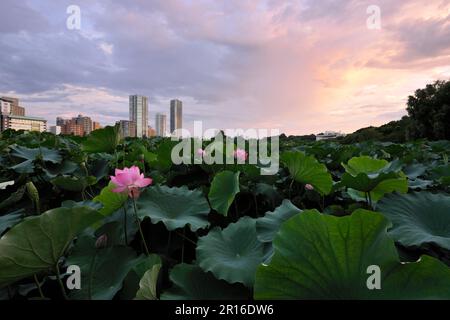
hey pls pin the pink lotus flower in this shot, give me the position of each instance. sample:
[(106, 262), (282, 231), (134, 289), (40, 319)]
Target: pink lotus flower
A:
[(201, 152), (131, 180), (240, 154), (309, 187)]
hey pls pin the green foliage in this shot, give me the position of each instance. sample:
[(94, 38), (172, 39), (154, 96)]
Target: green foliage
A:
[(307, 170), (429, 110), (9, 220), (373, 178), (147, 285), (268, 226), (36, 244), (102, 270), (394, 131), (211, 230), (102, 140), (324, 257), (418, 219), (110, 200), (175, 207), (73, 184), (192, 283), (31, 156), (224, 188), (232, 254)]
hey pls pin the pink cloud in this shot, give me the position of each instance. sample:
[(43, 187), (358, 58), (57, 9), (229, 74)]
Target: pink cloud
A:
[(301, 66)]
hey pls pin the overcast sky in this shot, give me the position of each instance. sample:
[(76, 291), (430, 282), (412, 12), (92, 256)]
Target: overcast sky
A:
[(303, 66)]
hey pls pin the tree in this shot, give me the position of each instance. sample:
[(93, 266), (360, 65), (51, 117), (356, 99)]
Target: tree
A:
[(429, 110)]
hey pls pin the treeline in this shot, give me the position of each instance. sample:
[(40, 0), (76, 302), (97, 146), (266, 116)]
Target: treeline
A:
[(428, 118)]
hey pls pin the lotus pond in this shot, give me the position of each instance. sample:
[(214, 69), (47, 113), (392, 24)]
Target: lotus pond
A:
[(360, 221)]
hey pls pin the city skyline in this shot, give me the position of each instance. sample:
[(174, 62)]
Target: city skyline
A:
[(300, 66)]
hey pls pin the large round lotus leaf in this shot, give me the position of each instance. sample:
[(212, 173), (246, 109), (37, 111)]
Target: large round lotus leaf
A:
[(415, 170), (364, 164), (306, 169), (73, 184), (9, 220), (325, 257), (268, 226), (102, 140), (232, 254), (362, 182), (30, 155), (190, 282), (111, 201), (419, 184), (163, 160), (378, 177), (118, 230), (224, 188), (418, 218), (102, 270), (175, 207), (13, 198), (382, 188), (37, 243), (66, 167)]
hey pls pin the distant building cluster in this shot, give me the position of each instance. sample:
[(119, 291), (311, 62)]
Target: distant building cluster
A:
[(137, 125), (12, 116), (77, 126)]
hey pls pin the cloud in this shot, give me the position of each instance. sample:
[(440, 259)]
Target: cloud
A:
[(18, 17), (303, 66)]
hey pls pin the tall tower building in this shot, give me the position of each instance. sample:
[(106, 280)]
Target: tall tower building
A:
[(161, 124), (139, 114), (176, 115)]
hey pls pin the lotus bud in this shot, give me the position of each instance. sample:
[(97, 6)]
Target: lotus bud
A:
[(33, 193), (102, 242), (309, 187)]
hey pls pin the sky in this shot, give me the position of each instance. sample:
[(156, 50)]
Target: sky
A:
[(300, 66)]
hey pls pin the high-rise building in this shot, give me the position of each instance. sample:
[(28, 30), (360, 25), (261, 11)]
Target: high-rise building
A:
[(126, 128), (14, 108), (176, 115), (161, 124), (139, 114)]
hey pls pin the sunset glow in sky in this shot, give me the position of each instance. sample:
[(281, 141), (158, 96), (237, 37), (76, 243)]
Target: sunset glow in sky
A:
[(303, 66)]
